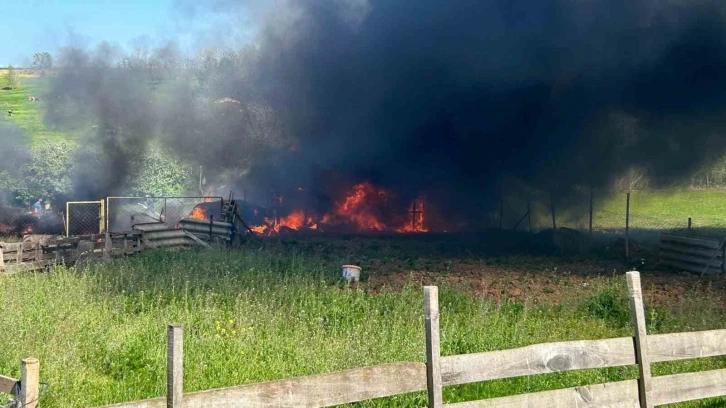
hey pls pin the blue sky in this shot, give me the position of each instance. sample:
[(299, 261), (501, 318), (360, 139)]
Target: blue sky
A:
[(30, 26)]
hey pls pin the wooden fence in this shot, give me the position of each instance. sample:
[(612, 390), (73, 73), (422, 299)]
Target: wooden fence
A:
[(39, 252), (26, 390), (439, 371)]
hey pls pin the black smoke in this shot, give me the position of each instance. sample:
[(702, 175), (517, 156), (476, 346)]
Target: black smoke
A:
[(451, 95), (431, 96)]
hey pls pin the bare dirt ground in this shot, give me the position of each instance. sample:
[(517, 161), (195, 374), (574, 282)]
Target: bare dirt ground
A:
[(501, 267)]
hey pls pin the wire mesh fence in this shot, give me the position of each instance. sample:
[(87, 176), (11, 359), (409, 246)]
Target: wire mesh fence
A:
[(642, 214), (123, 212), (84, 217)]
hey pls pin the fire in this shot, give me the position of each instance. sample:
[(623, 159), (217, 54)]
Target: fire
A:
[(198, 214), (295, 221), (417, 218), (360, 208)]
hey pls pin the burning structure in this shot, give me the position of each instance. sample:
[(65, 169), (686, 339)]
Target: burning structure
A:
[(362, 208), (402, 99)]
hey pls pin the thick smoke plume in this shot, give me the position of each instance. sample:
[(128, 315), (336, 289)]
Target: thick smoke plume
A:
[(433, 96)]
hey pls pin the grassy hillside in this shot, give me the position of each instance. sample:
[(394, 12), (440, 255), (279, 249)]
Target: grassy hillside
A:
[(261, 315), (28, 116)]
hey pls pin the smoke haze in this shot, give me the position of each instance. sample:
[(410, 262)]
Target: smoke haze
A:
[(434, 96)]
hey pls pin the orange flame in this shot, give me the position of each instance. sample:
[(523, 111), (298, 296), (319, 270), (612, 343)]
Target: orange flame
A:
[(417, 218), (360, 208), (295, 221), (198, 214)]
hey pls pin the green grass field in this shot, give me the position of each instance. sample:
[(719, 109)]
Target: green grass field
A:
[(650, 210), (28, 116), (259, 314)]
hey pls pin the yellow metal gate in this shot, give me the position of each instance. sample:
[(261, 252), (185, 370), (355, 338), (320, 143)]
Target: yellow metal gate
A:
[(85, 217)]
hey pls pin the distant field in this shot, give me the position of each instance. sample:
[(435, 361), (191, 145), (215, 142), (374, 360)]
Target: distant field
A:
[(656, 210), (28, 116)]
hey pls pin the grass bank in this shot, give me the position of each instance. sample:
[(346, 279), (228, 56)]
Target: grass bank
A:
[(252, 316), (27, 115)]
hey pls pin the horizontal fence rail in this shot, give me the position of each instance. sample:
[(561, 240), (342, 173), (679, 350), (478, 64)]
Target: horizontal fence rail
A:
[(42, 251), (325, 390)]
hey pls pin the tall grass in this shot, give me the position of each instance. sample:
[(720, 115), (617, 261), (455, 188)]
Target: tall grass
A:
[(251, 316)]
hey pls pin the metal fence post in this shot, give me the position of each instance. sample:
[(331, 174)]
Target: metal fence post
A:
[(627, 226), (591, 201), (501, 204), (102, 216), (529, 215), (68, 219)]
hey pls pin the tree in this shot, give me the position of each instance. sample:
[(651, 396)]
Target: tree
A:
[(42, 60), (10, 78), (160, 173), (42, 171)]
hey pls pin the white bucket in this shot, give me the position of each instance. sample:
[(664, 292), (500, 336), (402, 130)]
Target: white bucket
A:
[(351, 273)]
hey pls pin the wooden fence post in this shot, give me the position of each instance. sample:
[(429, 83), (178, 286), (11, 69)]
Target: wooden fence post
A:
[(29, 377), (689, 223), (2, 260), (433, 347), (107, 245), (645, 386), (174, 366)]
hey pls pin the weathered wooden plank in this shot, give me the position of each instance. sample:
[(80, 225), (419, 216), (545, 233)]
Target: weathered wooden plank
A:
[(25, 256), (696, 260), (7, 384), (318, 390), (148, 403), (433, 347), (197, 240), (693, 241), (645, 386), (28, 266), (622, 394), (537, 359), (175, 366), (685, 249), (682, 346), (313, 391), (670, 389)]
